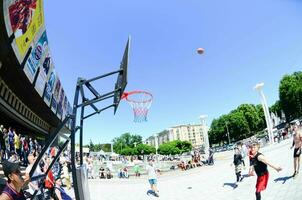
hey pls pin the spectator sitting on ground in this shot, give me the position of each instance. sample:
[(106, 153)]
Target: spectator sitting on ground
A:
[(108, 173), (120, 173), (194, 162), (181, 165), (125, 172), (102, 173)]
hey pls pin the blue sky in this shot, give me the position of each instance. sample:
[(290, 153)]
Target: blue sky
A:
[(245, 42)]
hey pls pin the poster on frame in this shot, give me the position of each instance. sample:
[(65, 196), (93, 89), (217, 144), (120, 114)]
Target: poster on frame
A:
[(49, 87), (36, 56), (60, 104), (42, 76), (24, 19), (55, 96), (65, 104)]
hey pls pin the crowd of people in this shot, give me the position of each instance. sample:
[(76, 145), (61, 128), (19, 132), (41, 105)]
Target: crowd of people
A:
[(13, 144), (20, 150)]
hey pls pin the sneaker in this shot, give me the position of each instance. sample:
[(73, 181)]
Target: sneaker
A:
[(241, 179), (295, 173)]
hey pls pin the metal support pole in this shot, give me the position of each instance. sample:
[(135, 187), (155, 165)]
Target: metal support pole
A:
[(73, 127), (81, 135)]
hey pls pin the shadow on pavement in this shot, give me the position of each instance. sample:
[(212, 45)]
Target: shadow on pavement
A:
[(284, 179), (245, 175), (233, 185)]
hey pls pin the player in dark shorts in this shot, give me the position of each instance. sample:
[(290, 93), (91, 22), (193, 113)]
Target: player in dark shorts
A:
[(297, 152), (259, 165), (297, 143)]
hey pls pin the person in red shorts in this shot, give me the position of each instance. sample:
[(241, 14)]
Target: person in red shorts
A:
[(259, 165)]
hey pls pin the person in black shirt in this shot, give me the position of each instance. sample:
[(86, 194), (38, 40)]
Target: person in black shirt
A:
[(259, 165)]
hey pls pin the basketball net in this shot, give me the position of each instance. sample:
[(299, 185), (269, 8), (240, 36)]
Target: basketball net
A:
[(140, 101)]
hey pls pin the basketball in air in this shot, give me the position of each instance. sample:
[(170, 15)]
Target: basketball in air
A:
[(200, 50)]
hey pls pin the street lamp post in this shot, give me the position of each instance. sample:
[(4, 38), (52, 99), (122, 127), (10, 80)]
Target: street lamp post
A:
[(156, 142), (205, 133), (259, 87)]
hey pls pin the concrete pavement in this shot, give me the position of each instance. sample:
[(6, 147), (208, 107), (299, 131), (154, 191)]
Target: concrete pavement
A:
[(208, 182)]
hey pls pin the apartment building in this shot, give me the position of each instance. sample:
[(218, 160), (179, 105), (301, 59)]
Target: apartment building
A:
[(191, 133)]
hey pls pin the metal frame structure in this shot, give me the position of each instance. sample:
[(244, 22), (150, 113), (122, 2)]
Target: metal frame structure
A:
[(81, 105), (79, 91)]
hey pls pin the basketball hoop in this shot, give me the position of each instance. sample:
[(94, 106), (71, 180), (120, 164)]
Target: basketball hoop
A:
[(140, 102)]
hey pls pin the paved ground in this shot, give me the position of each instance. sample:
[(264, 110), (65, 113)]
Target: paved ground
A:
[(210, 182)]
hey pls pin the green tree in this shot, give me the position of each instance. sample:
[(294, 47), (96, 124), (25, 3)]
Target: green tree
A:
[(218, 130), (91, 145), (106, 147), (144, 149), (183, 146), (238, 125), (262, 123), (235, 123), (276, 108), (168, 149), (290, 95), (175, 147), (251, 115), (125, 140), (127, 151)]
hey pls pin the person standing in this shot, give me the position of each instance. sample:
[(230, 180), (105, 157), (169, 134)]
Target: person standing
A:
[(6, 140), (297, 143), (17, 144), (259, 165), (25, 150), (11, 140), (2, 143), (31, 145), (238, 165), (243, 150), (137, 170), (152, 177)]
